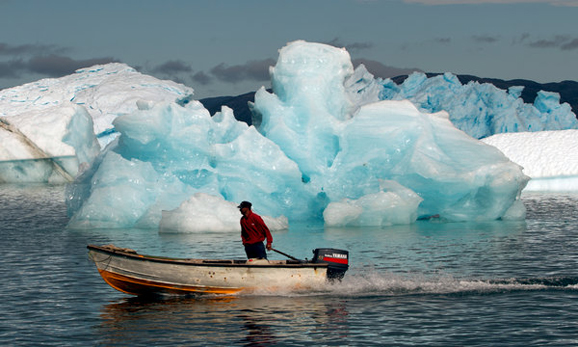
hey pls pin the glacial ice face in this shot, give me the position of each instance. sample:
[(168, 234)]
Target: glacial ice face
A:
[(319, 153), (480, 110)]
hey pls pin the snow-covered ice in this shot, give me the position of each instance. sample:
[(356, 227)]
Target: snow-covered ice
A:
[(51, 127), (550, 158)]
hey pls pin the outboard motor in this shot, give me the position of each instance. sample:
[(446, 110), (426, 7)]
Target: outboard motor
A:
[(337, 259)]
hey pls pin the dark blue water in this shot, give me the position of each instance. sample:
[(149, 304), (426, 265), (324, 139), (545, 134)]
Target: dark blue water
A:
[(428, 284)]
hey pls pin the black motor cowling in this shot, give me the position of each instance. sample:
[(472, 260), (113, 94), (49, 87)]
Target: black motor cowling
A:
[(337, 260)]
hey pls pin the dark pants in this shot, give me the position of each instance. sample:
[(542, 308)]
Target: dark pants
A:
[(256, 250)]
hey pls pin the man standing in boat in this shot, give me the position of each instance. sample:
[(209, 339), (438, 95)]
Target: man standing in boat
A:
[(253, 232)]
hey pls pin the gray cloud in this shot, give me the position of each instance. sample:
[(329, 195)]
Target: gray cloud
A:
[(28, 49), (521, 39), (11, 69), (201, 78), (444, 40), (173, 67), (41, 59), (549, 43), (56, 65), (48, 65), (255, 70), (562, 42), (380, 70), (570, 45), (485, 38), (350, 47)]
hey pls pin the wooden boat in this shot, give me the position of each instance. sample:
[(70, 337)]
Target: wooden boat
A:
[(133, 273)]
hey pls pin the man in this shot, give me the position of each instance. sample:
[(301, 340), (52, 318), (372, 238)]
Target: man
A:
[(253, 232)]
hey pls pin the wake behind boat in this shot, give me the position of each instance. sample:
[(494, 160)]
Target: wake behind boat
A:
[(132, 273)]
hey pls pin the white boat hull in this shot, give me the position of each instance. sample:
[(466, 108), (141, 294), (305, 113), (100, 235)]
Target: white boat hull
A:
[(136, 274)]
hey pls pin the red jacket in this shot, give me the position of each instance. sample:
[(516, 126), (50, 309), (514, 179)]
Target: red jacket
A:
[(254, 230)]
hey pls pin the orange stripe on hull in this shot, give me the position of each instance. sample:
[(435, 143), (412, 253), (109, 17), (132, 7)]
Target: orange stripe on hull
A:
[(137, 286)]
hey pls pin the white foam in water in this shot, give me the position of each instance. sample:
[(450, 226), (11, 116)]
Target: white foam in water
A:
[(373, 283)]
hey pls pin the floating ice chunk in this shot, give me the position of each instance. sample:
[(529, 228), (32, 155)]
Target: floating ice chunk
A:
[(169, 152), (394, 205), (209, 213), (516, 212), (392, 140), (118, 196), (46, 146), (57, 131)]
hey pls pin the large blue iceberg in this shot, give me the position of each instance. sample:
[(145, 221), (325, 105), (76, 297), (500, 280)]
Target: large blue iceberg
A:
[(319, 152)]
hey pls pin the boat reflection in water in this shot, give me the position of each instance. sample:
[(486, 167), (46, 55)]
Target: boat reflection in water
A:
[(244, 320)]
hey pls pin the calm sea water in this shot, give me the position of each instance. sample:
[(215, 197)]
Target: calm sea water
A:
[(428, 284)]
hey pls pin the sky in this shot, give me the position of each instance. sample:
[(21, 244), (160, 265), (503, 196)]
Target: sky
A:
[(225, 47)]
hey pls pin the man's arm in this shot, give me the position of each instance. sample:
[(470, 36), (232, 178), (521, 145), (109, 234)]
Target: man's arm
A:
[(267, 233)]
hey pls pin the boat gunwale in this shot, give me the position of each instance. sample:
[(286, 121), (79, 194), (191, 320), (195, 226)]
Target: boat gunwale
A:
[(200, 262)]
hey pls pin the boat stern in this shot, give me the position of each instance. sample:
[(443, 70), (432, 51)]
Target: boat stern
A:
[(337, 261)]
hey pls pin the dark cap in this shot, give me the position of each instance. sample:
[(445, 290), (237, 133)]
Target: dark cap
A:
[(245, 204)]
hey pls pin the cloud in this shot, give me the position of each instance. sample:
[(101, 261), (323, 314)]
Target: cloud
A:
[(350, 47), (173, 67), (570, 45), (561, 42), (444, 40), (202, 78), (41, 59), (28, 49), (48, 65), (521, 39), (485, 38), (380, 70), (10, 69), (55, 65), (570, 3), (255, 70)]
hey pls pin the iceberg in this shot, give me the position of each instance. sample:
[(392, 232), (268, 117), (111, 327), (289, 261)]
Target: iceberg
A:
[(319, 152), (46, 146), (53, 128)]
